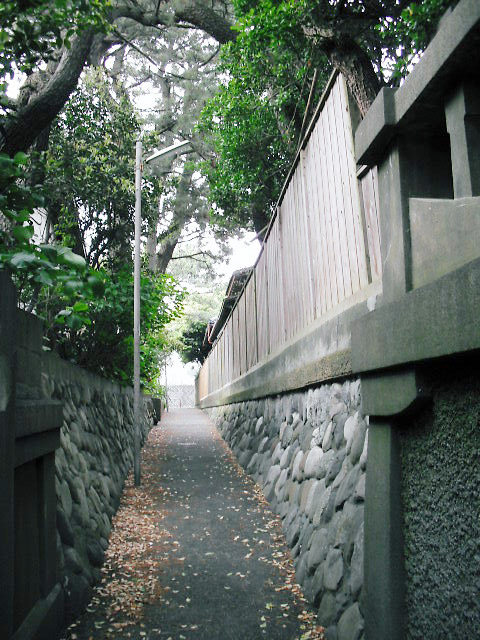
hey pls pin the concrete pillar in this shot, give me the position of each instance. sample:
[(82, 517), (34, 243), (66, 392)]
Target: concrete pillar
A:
[(416, 166), (462, 113), (387, 397), (384, 573), (7, 451)]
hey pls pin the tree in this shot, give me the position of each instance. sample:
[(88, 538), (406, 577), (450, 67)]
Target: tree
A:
[(89, 173), (48, 88), (181, 74), (192, 349), (186, 333), (255, 120), (284, 48)]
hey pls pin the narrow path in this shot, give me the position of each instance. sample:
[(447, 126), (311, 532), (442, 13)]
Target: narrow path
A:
[(195, 552)]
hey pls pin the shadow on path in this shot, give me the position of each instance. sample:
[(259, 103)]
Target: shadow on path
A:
[(195, 552)]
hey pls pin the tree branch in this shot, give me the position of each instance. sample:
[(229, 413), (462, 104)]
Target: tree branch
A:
[(31, 119)]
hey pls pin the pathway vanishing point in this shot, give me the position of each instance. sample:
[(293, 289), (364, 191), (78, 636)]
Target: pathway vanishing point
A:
[(195, 553)]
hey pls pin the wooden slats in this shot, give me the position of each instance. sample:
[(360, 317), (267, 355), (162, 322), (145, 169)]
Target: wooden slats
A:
[(322, 248), (251, 323), (262, 308)]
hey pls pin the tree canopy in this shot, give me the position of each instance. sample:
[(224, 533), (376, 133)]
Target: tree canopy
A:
[(98, 73), (284, 51)]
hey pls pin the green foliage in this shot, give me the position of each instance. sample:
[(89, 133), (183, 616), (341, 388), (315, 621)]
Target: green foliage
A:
[(191, 346), (105, 345), (405, 37), (254, 121), (32, 29), (90, 170), (36, 266), (89, 194), (252, 156)]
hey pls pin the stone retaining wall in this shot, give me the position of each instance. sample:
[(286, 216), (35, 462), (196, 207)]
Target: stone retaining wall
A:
[(95, 456), (308, 452)]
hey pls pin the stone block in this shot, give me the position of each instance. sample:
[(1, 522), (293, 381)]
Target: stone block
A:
[(359, 494), (349, 430), (306, 486), (358, 442), (327, 611), (280, 484), (64, 528), (296, 473), (356, 564), (350, 519), (347, 487), (292, 533), (286, 437), (286, 457), (73, 561), (319, 547), (325, 462), (316, 491), (312, 462), (328, 437), (333, 569), (63, 493), (323, 510), (277, 453), (95, 553), (335, 467), (351, 624)]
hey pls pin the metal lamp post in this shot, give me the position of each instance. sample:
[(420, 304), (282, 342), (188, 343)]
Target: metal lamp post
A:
[(136, 292)]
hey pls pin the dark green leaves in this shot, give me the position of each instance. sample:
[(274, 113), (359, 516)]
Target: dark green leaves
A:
[(31, 31)]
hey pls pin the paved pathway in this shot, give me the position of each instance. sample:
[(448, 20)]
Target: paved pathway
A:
[(195, 553)]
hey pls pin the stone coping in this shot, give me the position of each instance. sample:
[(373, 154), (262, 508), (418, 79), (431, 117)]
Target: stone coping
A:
[(321, 353), (37, 416), (455, 47), (437, 320)]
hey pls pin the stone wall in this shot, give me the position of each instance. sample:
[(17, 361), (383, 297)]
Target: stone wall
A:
[(308, 453), (92, 462)]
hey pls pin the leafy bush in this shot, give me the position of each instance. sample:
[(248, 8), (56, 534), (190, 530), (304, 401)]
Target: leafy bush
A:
[(45, 265), (105, 345)]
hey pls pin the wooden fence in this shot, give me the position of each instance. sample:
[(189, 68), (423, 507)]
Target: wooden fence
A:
[(321, 250)]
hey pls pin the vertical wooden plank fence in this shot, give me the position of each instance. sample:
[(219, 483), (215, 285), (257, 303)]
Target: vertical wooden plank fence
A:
[(322, 249)]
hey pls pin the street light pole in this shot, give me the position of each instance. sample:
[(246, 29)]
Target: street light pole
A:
[(136, 313), (136, 295)]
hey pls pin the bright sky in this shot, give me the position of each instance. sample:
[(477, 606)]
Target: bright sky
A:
[(244, 253)]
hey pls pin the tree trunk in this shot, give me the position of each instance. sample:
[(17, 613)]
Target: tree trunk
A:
[(31, 119), (348, 57), (352, 61), (181, 216)]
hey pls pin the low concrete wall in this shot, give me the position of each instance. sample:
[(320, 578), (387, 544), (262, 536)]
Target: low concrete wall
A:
[(308, 453), (91, 464)]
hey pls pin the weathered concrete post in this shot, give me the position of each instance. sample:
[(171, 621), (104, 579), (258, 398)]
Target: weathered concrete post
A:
[(462, 113), (425, 140), (7, 451)]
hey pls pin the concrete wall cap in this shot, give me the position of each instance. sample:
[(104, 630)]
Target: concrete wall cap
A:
[(452, 52)]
